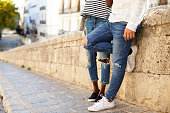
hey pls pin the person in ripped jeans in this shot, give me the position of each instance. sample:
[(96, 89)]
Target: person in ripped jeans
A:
[(124, 22), (96, 13)]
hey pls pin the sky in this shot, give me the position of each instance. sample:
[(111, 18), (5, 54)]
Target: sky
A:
[(19, 3)]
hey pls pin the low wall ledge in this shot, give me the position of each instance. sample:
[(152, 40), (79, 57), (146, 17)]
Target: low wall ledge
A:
[(157, 16)]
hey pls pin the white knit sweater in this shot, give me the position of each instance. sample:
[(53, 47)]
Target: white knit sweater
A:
[(131, 11)]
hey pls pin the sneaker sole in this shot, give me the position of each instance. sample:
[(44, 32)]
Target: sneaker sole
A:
[(101, 109), (91, 100)]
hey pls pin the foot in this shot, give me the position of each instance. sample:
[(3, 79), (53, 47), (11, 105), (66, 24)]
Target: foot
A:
[(93, 97), (131, 59), (84, 41), (99, 97), (102, 104)]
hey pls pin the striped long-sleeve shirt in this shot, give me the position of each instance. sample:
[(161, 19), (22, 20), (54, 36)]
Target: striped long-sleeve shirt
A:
[(96, 8)]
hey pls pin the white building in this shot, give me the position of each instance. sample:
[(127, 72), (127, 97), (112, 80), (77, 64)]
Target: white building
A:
[(20, 5), (48, 18), (52, 17), (29, 14), (55, 17), (43, 16)]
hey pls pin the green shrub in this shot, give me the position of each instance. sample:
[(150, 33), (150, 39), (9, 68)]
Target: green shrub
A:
[(22, 66), (29, 68)]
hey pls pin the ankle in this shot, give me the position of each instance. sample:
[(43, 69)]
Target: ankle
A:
[(100, 94), (97, 91)]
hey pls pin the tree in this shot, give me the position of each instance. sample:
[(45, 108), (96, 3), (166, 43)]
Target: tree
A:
[(8, 15)]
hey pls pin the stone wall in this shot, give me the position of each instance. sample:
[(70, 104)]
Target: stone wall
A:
[(64, 58)]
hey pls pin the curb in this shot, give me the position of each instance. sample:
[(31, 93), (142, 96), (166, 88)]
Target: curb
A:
[(11, 100)]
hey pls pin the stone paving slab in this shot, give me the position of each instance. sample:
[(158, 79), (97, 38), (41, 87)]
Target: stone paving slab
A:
[(28, 92), (1, 107)]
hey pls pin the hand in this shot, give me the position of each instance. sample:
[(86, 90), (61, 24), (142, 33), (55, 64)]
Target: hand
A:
[(84, 41), (129, 34)]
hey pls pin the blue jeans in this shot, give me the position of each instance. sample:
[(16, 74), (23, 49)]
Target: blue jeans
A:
[(91, 24), (99, 41)]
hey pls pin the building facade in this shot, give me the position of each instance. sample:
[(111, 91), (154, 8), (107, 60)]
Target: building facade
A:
[(51, 18), (20, 5)]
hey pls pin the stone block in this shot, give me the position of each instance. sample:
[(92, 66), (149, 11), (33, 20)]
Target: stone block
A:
[(146, 89), (75, 56), (53, 68), (80, 75), (78, 42), (68, 70), (157, 16), (83, 58), (152, 56), (44, 68)]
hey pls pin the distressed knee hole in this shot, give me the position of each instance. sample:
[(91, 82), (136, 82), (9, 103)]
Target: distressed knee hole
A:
[(106, 61), (117, 65)]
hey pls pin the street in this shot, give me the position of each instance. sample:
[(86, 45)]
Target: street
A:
[(9, 41), (31, 92), (1, 107)]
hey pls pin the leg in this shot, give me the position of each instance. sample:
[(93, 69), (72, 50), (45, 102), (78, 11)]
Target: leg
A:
[(99, 39), (105, 67), (92, 68), (105, 72), (91, 60), (119, 59), (91, 56)]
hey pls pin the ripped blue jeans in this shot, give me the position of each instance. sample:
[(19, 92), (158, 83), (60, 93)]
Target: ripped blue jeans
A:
[(99, 40), (91, 24)]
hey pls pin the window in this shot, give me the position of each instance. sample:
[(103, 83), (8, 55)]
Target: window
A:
[(68, 6), (61, 9), (75, 6), (43, 7), (43, 19)]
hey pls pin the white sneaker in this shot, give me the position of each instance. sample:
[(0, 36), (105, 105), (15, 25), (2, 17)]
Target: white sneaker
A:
[(131, 59), (102, 105)]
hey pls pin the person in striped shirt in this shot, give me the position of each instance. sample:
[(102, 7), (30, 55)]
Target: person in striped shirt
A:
[(95, 12), (124, 22)]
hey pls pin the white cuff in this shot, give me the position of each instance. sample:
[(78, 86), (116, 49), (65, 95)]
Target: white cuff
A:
[(132, 26)]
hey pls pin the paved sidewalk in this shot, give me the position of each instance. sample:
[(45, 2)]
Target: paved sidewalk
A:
[(1, 107), (27, 92), (10, 41)]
